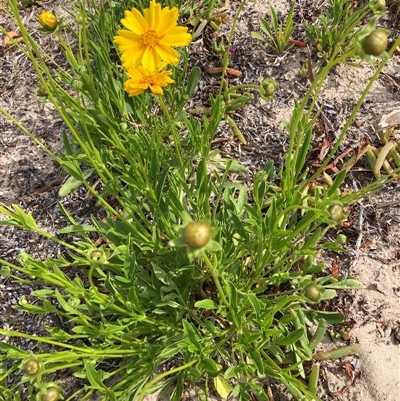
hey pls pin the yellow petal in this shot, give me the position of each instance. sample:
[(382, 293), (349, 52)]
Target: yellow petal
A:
[(156, 89), (150, 59), (131, 59), (136, 74), (153, 15), (135, 88), (170, 55), (177, 36), (127, 38), (162, 65), (164, 79), (133, 91), (168, 20), (135, 22)]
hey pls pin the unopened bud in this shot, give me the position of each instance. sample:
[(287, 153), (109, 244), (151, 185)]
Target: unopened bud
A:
[(32, 367), (196, 234), (48, 20), (337, 213), (97, 256)]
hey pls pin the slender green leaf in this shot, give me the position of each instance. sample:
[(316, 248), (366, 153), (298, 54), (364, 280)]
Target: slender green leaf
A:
[(206, 304), (72, 183), (318, 335), (94, 376), (223, 386), (291, 338), (337, 353)]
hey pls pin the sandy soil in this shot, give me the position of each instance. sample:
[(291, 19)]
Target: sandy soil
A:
[(29, 178)]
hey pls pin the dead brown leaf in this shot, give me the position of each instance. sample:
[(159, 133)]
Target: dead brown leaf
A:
[(349, 369), (218, 70), (10, 35), (335, 268)]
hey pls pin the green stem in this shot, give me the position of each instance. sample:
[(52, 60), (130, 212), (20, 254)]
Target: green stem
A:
[(55, 369), (225, 338), (233, 89), (288, 209), (173, 130), (46, 340), (214, 274), (225, 58), (162, 375), (296, 136), (221, 292), (351, 118)]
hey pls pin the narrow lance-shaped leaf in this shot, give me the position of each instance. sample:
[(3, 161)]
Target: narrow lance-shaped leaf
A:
[(337, 353), (318, 335)]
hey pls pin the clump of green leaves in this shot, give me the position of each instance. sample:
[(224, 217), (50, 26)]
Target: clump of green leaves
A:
[(195, 271), (333, 33), (277, 34)]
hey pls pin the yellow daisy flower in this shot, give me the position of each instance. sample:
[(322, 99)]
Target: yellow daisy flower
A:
[(142, 79), (150, 37)]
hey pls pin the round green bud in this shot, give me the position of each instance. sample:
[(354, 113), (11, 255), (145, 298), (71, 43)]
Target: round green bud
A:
[(79, 19), (380, 5), (337, 213), (269, 89), (341, 239), (97, 256), (82, 69), (32, 367), (196, 234), (312, 292), (52, 394), (375, 43), (77, 84)]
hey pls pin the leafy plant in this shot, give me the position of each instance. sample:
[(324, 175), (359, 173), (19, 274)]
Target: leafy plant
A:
[(209, 279), (277, 33), (333, 33)]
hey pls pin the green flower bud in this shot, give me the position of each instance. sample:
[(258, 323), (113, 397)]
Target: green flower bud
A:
[(77, 84), (32, 367), (52, 394), (337, 213), (82, 69), (378, 5), (341, 239), (267, 88), (375, 43), (97, 256), (196, 234), (312, 292), (79, 19)]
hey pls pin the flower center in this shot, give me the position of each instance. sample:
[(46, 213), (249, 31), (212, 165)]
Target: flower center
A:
[(150, 79), (150, 38)]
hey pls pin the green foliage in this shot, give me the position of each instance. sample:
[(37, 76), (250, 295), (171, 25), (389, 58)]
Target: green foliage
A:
[(333, 33), (277, 33), (233, 311)]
